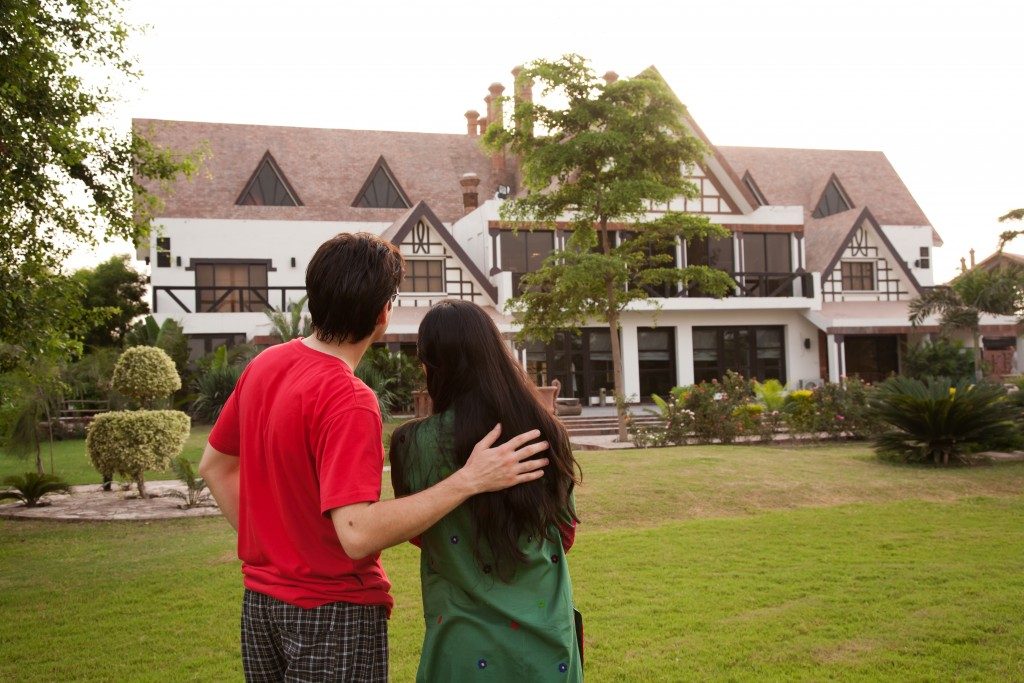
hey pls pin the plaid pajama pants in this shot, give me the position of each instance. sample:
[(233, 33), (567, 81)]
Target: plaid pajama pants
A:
[(339, 641)]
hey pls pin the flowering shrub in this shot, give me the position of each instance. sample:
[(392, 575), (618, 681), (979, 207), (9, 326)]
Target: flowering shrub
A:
[(802, 413), (714, 407)]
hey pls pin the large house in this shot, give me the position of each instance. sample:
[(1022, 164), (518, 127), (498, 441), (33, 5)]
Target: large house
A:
[(827, 249)]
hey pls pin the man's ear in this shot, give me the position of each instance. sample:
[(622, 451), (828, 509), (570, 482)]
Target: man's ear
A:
[(382, 317)]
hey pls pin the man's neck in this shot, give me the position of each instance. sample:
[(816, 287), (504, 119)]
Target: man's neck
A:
[(350, 353)]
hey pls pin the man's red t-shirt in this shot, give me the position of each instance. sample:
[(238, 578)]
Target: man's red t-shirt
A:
[(308, 434)]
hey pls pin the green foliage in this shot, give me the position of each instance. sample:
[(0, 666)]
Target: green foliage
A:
[(938, 421), (291, 324), (212, 388), (30, 399), (30, 488), (169, 336), (67, 178), (802, 413), (939, 358), (771, 394), (405, 371), (129, 442), (962, 302), (381, 384), (845, 410), (677, 421), (195, 493), (145, 374), (115, 287), (718, 408), (603, 156)]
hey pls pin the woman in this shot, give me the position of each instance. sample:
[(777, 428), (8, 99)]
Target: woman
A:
[(496, 588)]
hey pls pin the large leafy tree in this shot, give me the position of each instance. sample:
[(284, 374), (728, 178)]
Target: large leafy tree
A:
[(67, 177), (598, 159), (119, 291)]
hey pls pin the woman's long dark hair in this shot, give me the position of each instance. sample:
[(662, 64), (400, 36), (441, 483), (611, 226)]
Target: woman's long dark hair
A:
[(471, 371)]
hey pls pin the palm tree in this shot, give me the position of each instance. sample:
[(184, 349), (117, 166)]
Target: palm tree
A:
[(962, 302), (292, 323)]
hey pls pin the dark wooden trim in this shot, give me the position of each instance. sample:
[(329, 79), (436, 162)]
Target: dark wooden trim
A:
[(565, 226), (866, 215), (382, 163), (193, 262), (756, 190)]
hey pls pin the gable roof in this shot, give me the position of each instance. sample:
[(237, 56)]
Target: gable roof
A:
[(797, 177), (326, 167), (863, 219), (398, 230)]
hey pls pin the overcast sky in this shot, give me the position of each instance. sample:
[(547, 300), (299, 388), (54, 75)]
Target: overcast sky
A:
[(934, 84)]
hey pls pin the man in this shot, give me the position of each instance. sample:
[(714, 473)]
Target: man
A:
[(295, 464)]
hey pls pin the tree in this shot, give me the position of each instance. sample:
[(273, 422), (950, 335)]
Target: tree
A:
[(962, 302), (115, 287), (67, 177), (169, 336), (600, 159)]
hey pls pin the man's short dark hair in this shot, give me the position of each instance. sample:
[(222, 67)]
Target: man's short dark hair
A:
[(350, 278)]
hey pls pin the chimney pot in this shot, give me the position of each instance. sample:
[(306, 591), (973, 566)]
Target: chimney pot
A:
[(472, 123), (610, 77), (470, 196)]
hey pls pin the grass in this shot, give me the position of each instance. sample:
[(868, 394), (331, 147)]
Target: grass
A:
[(738, 563), (71, 462)]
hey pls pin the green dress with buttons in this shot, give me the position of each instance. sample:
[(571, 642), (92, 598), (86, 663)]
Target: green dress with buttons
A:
[(477, 626)]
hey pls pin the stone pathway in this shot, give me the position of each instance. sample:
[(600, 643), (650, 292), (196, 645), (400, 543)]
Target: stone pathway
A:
[(92, 503)]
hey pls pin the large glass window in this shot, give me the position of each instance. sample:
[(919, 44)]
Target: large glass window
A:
[(858, 276), (715, 252), (656, 348), (231, 287), (267, 187), (524, 252), (200, 345), (423, 275), (754, 352), (765, 257), (581, 362)]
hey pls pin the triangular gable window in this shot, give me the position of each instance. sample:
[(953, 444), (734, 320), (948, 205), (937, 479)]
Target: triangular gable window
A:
[(381, 190), (833, 200), (268, 187)]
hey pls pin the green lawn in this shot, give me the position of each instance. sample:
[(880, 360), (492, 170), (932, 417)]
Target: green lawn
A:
[(71, 462), (739, 563)]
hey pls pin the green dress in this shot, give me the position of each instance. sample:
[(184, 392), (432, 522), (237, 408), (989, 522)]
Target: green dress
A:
[(477, 626)]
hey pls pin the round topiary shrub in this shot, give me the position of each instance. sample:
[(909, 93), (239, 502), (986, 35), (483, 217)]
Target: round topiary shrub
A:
[(128, 443), (146, 374)]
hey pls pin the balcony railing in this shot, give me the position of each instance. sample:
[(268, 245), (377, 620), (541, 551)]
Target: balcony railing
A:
[(227, 299)]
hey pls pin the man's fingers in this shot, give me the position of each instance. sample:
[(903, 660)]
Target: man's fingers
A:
[(529, 476), (517, 441), (532, 449), (490, 437), (531, 465)]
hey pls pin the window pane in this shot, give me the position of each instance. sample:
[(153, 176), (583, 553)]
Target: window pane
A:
[(753, 253), (777, 253), (720, 253), (513, 252), (538, 246)]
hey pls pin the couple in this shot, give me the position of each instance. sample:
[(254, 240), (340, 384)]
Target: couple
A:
[(295, 463)]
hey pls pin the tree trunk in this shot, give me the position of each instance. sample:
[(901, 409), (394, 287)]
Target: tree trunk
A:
[(140, 482), (612, 314)]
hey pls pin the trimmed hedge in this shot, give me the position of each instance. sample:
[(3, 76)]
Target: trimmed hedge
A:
[(128, 443), (145, 373)]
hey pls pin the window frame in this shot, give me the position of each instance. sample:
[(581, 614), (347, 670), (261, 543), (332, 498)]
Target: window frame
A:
[(409, 276), (843, 276)]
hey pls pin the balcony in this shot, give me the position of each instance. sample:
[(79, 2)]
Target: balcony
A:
[(225, 299)]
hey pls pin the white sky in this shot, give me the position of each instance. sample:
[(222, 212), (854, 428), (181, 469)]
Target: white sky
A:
[(932, 83)]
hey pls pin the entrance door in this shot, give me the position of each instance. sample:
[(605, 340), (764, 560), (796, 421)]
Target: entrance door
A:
[(582, 363), (873, 358)]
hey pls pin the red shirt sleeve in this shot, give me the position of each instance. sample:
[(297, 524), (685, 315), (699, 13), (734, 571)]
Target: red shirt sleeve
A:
[(568, 534), (225, 435), (349, 459)]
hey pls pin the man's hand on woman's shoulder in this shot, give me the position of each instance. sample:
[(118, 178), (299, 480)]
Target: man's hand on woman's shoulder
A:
[(493, 469)]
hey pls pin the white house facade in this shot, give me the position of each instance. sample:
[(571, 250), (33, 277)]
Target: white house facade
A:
[(827, 248)]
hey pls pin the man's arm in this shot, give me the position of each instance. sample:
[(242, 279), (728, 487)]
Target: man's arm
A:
[(367, 528), (220, 471)]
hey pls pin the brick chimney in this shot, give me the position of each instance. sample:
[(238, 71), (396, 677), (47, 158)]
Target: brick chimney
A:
[(473, 123), (470, 197), (494, 115), (524, 93), (610, 77)]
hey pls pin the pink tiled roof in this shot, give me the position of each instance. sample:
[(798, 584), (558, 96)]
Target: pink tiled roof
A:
[(326, 167), (793, 177)]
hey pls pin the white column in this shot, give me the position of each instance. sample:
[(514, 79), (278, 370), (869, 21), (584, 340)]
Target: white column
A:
[(630, 362), (684, 355), (833, 358)]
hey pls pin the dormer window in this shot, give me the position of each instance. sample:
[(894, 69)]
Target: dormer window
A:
[(381, 190), (748, 180), (833, 200), (268, 187)]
